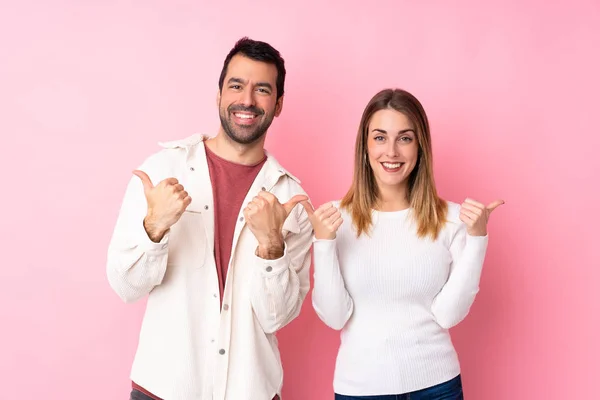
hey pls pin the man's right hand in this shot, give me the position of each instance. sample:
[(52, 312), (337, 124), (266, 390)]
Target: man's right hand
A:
[(166, 203)]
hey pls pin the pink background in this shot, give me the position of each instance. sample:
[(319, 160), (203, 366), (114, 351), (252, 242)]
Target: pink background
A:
[(511, 88)]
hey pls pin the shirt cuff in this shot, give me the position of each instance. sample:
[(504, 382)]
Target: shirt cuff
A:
[(148, 246), (270, 268)]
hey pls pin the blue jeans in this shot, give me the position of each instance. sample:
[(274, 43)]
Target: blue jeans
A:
[(451, 390), (137, 395)]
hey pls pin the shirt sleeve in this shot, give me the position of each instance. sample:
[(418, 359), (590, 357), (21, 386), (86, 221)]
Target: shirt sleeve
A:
[(281, 285), (135, 264)]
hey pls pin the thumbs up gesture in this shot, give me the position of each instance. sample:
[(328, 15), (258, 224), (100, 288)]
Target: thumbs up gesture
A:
[(325, 220), (476, 215), (265, 216), (166, 203)]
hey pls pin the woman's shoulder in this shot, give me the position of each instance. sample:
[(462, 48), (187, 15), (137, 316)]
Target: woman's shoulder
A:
[(345, 211), (336, 203), (453, 216)]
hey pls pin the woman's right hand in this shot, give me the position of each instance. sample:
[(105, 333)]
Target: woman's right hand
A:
[(325, 220)]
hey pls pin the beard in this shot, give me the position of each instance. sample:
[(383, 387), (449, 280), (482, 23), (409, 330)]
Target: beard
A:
[(245, 134)]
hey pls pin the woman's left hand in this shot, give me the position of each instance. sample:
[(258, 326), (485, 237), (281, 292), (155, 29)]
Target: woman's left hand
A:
[(475, 215)]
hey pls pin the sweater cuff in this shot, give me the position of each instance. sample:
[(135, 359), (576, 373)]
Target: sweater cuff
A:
[(479, 241), (324, 253), (476, 246), (321, 245)]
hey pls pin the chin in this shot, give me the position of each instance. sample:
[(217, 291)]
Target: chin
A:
[(392, 182), (246, 138)]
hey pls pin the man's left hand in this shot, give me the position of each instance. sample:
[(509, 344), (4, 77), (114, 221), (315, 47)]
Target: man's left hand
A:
[(265, 217)]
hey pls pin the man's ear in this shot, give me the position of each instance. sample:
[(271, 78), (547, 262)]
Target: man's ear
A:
[(279, 106)]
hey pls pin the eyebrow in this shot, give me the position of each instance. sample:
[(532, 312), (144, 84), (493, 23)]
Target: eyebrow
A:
[(243, 81), (385, 132)]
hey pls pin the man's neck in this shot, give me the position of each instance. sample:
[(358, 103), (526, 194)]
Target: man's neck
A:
[(245, 154)]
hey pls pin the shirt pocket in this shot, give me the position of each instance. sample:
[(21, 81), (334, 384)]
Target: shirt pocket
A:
[(187, 241)]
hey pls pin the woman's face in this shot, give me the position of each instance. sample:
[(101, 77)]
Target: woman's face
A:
[(392, 148)]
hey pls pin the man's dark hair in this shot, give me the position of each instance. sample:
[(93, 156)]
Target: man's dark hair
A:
[(257, 51)]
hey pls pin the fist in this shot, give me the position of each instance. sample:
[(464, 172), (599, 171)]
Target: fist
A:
[(325, 220), (475, 215), (166, 203)]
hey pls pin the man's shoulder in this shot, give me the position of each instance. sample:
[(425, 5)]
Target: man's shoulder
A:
[(183, 143), (174, 148), (167, 158), (274, 164)]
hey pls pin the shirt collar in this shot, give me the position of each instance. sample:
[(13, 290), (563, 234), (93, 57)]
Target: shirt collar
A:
[(197, 138)]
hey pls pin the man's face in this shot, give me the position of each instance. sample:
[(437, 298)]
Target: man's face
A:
[(248, 100)]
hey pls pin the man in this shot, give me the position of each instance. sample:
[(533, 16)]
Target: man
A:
[(211, 229)]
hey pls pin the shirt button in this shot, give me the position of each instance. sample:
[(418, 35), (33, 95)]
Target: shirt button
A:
[(222, 351), (206, 207), (225, 307), (215, 295), (263, 189), (192, 169), (241, 219), (269, 268)]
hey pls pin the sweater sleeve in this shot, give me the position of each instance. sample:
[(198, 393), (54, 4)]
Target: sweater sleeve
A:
[(330, 299), (453, 302)]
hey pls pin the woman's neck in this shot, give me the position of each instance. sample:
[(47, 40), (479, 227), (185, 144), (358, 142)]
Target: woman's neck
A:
[(392, 199)]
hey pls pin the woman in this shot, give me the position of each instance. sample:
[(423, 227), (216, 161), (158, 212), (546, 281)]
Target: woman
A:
[(395, 265)]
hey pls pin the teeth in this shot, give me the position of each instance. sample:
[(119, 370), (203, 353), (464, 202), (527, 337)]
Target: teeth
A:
[(244, 116), (392, 166)]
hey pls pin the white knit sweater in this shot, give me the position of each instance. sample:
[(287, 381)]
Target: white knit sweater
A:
[(394, 296)]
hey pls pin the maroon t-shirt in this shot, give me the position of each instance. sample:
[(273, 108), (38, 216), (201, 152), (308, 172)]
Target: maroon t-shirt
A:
[(230, 184)]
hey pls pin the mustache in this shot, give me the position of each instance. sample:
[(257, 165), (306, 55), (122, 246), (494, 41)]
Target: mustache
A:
[(251, 109)]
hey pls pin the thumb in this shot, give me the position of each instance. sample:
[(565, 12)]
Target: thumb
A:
[(309, 208), (144, 178), (289, 206), (492, 206)]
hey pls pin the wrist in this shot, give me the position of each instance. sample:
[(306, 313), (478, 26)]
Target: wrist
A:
[(476, 233), (271, 248), (155, 230), (325, 236)]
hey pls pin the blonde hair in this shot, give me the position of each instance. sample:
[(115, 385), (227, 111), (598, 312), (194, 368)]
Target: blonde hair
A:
[(429, 210)]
